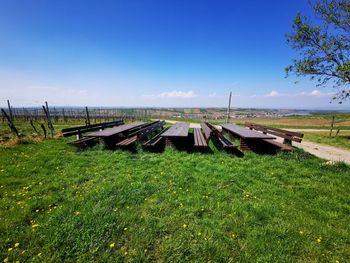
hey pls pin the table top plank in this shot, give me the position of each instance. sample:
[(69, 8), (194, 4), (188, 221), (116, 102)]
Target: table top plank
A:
[(115, 130), (179, 129), (245, 133)]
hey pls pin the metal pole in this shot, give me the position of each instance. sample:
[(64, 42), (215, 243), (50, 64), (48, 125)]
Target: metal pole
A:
[(228, 109)]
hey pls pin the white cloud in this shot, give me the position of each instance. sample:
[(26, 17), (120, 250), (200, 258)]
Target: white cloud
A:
[(314, 93), (272, 94), (177, 94)]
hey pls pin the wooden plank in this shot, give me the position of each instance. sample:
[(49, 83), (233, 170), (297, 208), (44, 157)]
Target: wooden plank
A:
[(225, 143), (95, 127), (206, 130), (153, 141), (90, 126), (115, 130), (283, 147), (291, 133), (244, 132), (179, 129), (127, 141), (199, 140)]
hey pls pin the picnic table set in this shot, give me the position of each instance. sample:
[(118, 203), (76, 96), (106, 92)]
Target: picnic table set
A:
[(151, 135)]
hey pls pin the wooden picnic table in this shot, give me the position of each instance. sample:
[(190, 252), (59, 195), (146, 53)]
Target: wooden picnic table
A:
[(248, 138), (178, 130), (109, 132)]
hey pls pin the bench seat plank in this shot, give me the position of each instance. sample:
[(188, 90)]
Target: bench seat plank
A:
[(199, 140)]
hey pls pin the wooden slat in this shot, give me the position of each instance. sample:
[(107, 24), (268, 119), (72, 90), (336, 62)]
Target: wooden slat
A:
[(90, 126), (292, 133), (206, 130), (225, 143), (199, 140), (179, 129), (156, 139), (116, 130), (283, 147), (127, 141)]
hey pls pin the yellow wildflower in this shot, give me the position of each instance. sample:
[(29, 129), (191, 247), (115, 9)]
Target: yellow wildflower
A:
[(35, 225), (112, 245), (17, 244), (77, 213), (10, 249), (184, 225), (23, 251), (125, 228), (319, 240), (301, 232), (6, 260), (125, 253)]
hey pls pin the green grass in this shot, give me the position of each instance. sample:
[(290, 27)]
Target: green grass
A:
[(342, 140), (61, 204)]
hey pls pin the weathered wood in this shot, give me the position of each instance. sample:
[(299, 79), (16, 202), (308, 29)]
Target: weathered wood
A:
[(179, 129), (10, 123), (245, 133), (199, 139), (206, 130), (10, 110), (87, 116), (115, 130), (127, 141), (156, 139), (283, 147), (83, 142), (94, 127), (287, 135), (33, 126), (225, 143)]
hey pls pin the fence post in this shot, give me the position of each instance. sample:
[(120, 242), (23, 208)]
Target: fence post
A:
[(87, 116), (10, 123), (10, 110), (332, 124), (49, 123)]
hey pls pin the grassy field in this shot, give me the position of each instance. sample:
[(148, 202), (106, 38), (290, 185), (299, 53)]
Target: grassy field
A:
[(60, 204), (319, 121), (342, 140)]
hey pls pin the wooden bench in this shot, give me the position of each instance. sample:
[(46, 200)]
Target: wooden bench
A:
[(199, 139), (249, 139), (84, 142), (141, 134), (224, 143), (156, 139), (127, 142), (207, 131), (79, 130), (288, 136), (146, 130)]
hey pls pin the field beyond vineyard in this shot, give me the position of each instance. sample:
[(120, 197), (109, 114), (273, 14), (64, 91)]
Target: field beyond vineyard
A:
[(59, 204)]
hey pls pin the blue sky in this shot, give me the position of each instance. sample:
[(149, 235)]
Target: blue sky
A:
[(151, 53)]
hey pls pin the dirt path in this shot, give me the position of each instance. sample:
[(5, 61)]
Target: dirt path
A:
[(323, 151), (320, 150)]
